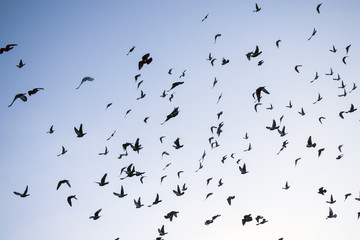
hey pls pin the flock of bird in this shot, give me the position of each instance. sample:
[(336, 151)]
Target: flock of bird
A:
[(259, 94)]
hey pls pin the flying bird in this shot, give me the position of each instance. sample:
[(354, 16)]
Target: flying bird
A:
[(217, 35), (318, 8), (257, 8), (333, 50), (34, 90), (206, 16), (162, 231), (69, 198), (146, 59), (21, 64), (313, 34), (79, 132), (229, 199), (24, 194), (297, 68), (89, 79), (156, 201), (173, 114), (7, 48), (63, 151), (22, 96), (103, 181), (62, 182), (130, 50), (51, 130), (121, 194), (138, 203), (277, 43), (96, 215)]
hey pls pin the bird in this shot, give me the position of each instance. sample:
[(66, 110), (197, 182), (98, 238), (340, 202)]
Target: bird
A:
[(273, 126), (130, 50), (161, 139), (296, 160), (21, 64), (121, 194), (277, 43), (257, 8), (96, 215), (220, 182), (24, 194), (322, 191), (62, 182), (208, 195), (171, 215), (347, 48), (178, 191), (138, 203), (79, 132), (297, 68), (332, 201), (313, 34), (137, 146), (208, 181), (170, 71), (105, 152), (246, 218), (146, 59), (34, 90), (343, 59), (229, 199), (108, 105), (162, 231), (137, 77), (302, 112), (51, 130), (173, 114), (224, 61), (69, 198), (321, 118), (217, 35), (146, 119), (177, 144), (63, 151), (162, 178), (174, 85), (320, 151), (318, 8), (310, 143), (156, 201), (7, 48), (347, 195), (333, 50), (89, 79), (243, 169), (103, 181), (178, 173), (112, 135), (286, 186), (331, 214), (142, 95), (22, 96), (206, 16), (318, 99), (215, 82), (330, 73), (258, 92), (127, 112)]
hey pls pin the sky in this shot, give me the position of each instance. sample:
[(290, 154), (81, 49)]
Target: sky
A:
[(62, 42)]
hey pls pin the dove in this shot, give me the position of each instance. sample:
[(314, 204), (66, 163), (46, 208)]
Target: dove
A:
[(24, 194), (85, 79)]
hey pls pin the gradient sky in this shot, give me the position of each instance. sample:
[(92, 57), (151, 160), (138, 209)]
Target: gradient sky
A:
[(62, 42)]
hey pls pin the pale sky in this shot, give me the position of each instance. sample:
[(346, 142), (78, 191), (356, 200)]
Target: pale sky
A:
[(62, 42)]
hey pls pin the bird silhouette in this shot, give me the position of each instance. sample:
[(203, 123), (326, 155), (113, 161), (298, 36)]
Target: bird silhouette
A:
[(313, 34), (162, 231), (310, 144), (24, 194), (146, 59), (257, 8), (277, 43), (70, 198), (130, 50), (138, 203), (121, 194), (318, 8), (63, 151), (62, 182), (7, 48), (51, 130), (79, 132), (156, 201), (22, 96), (96, 215), (297, 68), (286, 186), (331, 214), (217, 35), (103, 181), (85, 79), (206, 16), (173, 114), (229, 199), (21, 64)]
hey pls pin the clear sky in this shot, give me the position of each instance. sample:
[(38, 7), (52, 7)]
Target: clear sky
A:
[(61, 42)]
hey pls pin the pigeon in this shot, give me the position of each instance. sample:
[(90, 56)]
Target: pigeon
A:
[(24, 194), (318, 8), (217, 35), (7, 48), (51, 130), (96, 215), (103, 181), (331, 214), (84, 80), (121, 194), (162, 231), (313, 34), (257, 8), (21, 64), (69, 198), (206, 16), (229, 199), (22, 96), (34, 90), (173, 114), (130, 50), (63, 151), (138, 203), (62, 182), (144, 60), (79, 132)]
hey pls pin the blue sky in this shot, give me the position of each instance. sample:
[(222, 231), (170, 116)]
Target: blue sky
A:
[(61, 42)]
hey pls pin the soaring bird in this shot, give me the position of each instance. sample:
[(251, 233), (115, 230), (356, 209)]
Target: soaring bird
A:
[(62, 182), (347, 48), (313, 34), (84, 80), (243, 169), (178, 191), (130, 50), (297, 68), (24, 194), (277, 43), (332, 201), (22, 96), (331, 214), (156, 201), (217, 35), (258, 92), (257, 8), (177, 144), (171, 215), (229, 199), (34, 90), (138, 203), (7, 48), (286, 186), (79, 132), (333, 50), (174, 85), (21, 64), (96, 215), (51, 130), (310, 143), (121, 194), (63, 151), (162, 231), (206, 16), (318, 8), (343, 59), (173, 114), (105, 152), (69, 198), (103, 181)]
